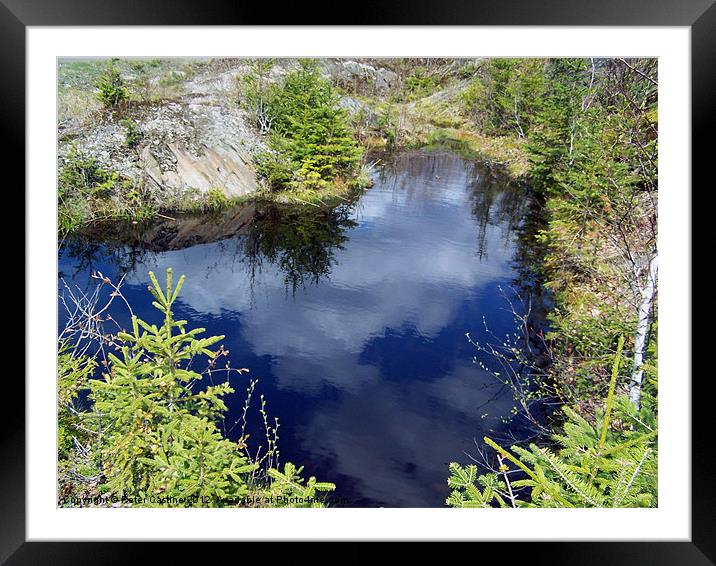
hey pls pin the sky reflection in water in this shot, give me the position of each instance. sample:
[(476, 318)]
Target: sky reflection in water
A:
[(356, 331)]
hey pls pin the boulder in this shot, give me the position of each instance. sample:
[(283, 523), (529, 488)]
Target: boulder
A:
[(376, 79)]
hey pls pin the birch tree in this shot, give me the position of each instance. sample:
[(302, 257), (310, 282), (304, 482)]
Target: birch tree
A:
[(646, 306)]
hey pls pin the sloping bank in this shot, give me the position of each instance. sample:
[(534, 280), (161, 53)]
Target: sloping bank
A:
[(147, 152), (591, 140)]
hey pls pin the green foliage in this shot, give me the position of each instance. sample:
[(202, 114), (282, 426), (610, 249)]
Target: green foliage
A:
[(466, 493), (80, 181), (73, 373), (289, 487), (593, 157), (467, 70), (81, 173), (310, 142), (611, 463), (157, 437), (86, 191), (71, 215), (276, 168), (255, 92), (111, 87), (132, 132), (216, 199), (507, 97), (594, 139), (420, 84), (552, 145), (160, 436), (388, 126)]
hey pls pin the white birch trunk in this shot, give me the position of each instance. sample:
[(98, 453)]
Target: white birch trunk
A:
[(648, 293)]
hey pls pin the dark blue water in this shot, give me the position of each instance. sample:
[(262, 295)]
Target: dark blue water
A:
[(353, 320)]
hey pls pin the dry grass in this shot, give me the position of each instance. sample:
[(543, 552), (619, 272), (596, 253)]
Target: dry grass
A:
[(76, 104)]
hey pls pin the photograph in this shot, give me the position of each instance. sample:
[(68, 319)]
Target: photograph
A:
[(357, 282)]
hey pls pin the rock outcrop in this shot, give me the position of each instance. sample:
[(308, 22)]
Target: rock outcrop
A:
[(356, 108), (198, 142), (222, 166), (350, 72), (200, 139)]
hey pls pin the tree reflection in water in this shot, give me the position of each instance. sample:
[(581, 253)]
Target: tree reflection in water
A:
[(300, 241), (369, 363)]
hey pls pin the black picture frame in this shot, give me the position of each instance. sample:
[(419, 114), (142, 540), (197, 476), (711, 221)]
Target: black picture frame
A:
[(699, 15)]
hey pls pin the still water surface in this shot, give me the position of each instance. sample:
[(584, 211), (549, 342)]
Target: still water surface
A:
[(353, 320)]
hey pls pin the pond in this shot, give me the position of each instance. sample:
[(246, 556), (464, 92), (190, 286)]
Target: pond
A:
[(353, 319)]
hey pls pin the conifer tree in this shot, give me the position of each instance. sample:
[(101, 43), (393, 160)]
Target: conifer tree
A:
[(601, 464), (310, 139), (154, 433)]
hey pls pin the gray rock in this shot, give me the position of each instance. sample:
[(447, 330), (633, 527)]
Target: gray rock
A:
[(199, 142), (385, 79), (349, 71), (356, 108), (202, 140)]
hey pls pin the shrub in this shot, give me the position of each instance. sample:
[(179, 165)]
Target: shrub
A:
[(276, 167), (112, 89), (419, 84), (86, 191), (507, 96), (216, 199), (71, 215), (132, 132), (80, 182), (82, 174)]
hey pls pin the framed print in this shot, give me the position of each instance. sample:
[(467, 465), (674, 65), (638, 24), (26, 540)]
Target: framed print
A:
[(398, 280)]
